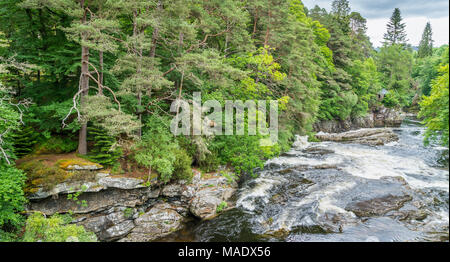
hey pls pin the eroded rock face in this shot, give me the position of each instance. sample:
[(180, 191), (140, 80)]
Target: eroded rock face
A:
[(374, 137), (382, 117), (102, 181), (160, 221), (96, 202), (120, 208)]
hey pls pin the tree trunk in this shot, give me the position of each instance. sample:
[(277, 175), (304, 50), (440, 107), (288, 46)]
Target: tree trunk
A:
[(100, 88), (82, 143), (84, 85), (266, 39)]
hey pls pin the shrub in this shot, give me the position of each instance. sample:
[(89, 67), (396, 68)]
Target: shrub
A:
[(56, 145), (244, 153), (105, 150), (210, 163), (24, 140), (12, 197), (391, 100), (156, 149), (182, 165), (160, 151), (221, 207), (55, 229)]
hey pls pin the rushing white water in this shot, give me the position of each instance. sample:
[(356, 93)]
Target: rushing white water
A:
[(342, 192)]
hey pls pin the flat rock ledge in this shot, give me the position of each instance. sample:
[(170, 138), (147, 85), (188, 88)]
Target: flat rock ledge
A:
[(102, 181), (123, 209), (370, 136)]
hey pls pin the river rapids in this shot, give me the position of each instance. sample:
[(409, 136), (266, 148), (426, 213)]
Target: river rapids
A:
[(336, 192)]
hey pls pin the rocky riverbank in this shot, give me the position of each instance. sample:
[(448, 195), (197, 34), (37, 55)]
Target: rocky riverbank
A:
[(341, 191), (125, 209), (381, 117)]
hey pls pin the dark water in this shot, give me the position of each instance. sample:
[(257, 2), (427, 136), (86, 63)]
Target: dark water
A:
[(305, 195)]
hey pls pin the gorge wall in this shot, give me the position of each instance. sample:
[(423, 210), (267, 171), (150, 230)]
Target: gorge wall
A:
[(381, 117), (125, 209)]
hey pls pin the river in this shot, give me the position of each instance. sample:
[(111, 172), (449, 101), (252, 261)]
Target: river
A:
[(340, 192)]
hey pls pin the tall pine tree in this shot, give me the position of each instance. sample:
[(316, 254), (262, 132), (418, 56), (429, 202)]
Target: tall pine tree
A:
[(426, 44), (396, 33)]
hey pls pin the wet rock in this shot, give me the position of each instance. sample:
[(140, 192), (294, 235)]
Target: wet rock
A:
[(301, 142), (160, 221), (394, 179), (318, 151), (378, 136), (378, 206), (312, 167), (418, 215)]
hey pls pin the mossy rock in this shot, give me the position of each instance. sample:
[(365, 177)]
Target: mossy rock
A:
[(40, 175), (78, 164)]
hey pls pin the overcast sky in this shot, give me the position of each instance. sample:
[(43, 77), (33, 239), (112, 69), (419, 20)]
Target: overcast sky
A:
[(415, 13)]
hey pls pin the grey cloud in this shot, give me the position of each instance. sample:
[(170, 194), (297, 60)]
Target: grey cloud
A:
[(384, 8), (409, 8)]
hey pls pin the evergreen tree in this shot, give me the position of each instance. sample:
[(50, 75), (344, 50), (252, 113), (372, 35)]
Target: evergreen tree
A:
[(396, 33), (105, 150), (24, 140), (426, 44)]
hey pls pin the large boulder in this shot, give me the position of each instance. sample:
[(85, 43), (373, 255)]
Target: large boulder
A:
[(373, 136), (160, 221), (388, 117), (112, 224), (378, 206), (212, 192)]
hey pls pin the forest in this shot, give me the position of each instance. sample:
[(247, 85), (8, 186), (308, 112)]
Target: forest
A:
[(93, 80)]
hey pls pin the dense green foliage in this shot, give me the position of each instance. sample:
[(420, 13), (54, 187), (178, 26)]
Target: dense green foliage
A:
[(55, 229), (138, 56), (159, 151), (395, 65), (12, 197), (435, 107)]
